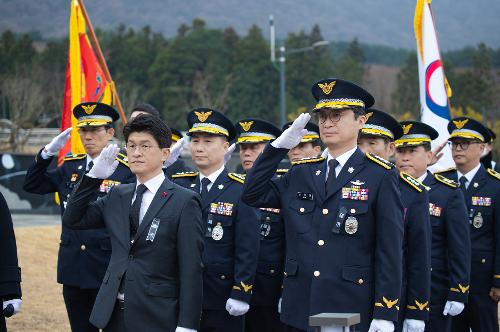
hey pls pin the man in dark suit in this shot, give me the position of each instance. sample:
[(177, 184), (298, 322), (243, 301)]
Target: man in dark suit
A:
[(342, 214), (481, 189), (377, 137), (231, 228), (263, 316), (450, 252), (83, 254), (10, 273), (154, 279)]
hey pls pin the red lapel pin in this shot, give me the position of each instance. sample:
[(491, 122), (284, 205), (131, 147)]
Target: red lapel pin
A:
[(164, 194)]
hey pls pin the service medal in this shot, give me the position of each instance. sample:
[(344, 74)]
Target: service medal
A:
[(217, 232), (478, 220), (351, 225)]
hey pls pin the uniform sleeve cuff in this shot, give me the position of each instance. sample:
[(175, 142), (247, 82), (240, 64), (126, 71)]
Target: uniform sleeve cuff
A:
[(242, 292)]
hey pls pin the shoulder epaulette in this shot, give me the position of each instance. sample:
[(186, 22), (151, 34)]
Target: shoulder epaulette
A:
[(184, 175), (414, 183), (74, 156), (122, 158), (308, 161), (494, 173), (237, 177), (445, 180), (281, 170), (446, 170), (381, 161)]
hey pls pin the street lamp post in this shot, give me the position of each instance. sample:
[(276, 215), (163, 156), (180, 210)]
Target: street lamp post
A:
[(282, 59)]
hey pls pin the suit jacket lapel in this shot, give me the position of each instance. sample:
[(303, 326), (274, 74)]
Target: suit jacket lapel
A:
[(352, 167), (217, 188), (126, 193), (164, 193), (318, 174)]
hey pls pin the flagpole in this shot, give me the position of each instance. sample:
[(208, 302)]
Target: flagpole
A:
[(102, 61)]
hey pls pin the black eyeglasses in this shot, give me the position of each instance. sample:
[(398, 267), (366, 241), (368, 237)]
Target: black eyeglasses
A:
[(333, 115), (464, 145)]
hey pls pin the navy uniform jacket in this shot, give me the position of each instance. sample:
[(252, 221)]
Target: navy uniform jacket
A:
[(83, 254), (10, 273), (269, 277), (482, 198), (417, 250), (177, 167), (343, 251), (231, 240), (450, 242)]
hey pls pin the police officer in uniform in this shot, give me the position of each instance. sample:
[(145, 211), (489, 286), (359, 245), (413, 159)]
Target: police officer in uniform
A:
[(487, 156), (377, 137), (309, 146), (83, 254), (231, 227), (481, 189), (450, 252), (343, 216), (252, 136)]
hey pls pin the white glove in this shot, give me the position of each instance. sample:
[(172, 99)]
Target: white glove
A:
[(229, 153), (175, 152), (324, 154), (106, 163), (279, 306), (413, 325), (291, 137), (453, 308), (236, 308), (56, 144), (183, 329), (16, 304), (380, 325)]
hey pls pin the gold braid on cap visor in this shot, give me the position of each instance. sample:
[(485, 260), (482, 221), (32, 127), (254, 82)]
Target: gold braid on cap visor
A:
[(339, 103)]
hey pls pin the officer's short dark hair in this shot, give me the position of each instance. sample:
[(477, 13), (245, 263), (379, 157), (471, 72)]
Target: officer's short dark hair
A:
[(358, 111), (146, 108), (316, 142), (152, 125), (427, 146)]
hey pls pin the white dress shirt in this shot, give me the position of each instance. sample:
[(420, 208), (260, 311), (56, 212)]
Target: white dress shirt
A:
[(469, 176), (153, 185), (422, 177), (212, 177), (342, 159)]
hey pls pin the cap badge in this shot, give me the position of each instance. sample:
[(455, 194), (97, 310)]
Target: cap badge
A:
[(460, 124), (327, 87), (406, 128), (89, 109), (203, 116), (368, 115), (246, 125)]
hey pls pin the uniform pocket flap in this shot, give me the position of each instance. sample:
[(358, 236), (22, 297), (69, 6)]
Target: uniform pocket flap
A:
[(355, 208), (358, 275), (269, 217), (302, 206), (291, 268), (224, 221), (272, 269), (162, 290), (227, 270)]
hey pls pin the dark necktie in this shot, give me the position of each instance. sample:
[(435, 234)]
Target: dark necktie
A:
[(463, 181), (332, 164), (136, 209), (204, 187), (89, 167)]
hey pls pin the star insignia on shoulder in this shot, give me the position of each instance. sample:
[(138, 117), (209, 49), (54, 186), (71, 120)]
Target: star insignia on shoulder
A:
[(318, 172), (350, 169), (220, 186)]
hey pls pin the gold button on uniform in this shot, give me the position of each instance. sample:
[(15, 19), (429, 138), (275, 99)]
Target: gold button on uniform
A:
[(361, 281), (316, 273), (222, 276), (321, 242), (483, 260), (353, 210), (271, 271), (82, 247), (267, 218), (325, 211), (302, 210)]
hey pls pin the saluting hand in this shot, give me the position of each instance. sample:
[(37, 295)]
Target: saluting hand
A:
[(291, 137), (56, 144), (106, 163), (229, 153), (175, 152), (437, 154)]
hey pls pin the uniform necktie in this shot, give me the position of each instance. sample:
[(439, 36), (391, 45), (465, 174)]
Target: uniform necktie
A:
[(463, 181), (136, 209), (89, 167), (204, 187), (332, 176)]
